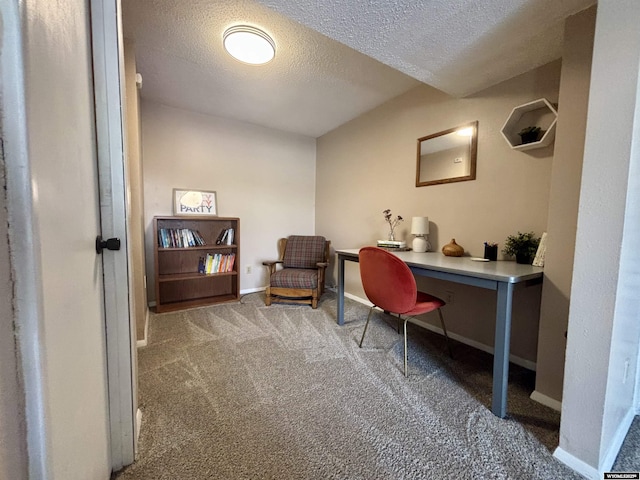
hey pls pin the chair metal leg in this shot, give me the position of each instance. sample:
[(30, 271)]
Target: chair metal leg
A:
[(444, 329), (406, 368), (366, 325), (398, 324)]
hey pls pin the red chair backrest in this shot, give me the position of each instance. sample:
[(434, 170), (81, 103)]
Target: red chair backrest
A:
[(387, 280)]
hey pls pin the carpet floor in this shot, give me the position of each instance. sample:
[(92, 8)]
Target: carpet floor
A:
[(244, 391)]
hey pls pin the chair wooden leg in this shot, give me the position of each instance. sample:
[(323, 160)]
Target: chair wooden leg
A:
[(267, 300), (444, 329), (314, 301), (366, 325)]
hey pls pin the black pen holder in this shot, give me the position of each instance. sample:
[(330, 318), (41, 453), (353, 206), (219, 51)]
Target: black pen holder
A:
[(491, 252)]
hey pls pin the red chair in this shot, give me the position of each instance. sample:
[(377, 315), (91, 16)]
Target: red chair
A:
[(390, 286)]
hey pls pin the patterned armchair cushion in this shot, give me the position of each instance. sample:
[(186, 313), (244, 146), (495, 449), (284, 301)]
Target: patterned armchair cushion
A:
[(295, 278), (303, 251)]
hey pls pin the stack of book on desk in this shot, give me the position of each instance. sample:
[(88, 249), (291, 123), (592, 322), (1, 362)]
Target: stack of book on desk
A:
[(392, 245)]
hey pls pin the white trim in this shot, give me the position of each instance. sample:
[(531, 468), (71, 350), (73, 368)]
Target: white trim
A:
[(616, 442), (576, 464), (545, 400), (605, 466), (145, 340), (364, 301), (23, 238), (108, 71), (252, 290), (523, 362), (138, 424)]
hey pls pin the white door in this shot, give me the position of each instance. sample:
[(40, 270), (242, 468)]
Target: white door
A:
[(120, 329), (58, 286)]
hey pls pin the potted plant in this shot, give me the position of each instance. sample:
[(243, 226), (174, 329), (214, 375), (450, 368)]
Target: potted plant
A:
[(529, 134), (523, 246)]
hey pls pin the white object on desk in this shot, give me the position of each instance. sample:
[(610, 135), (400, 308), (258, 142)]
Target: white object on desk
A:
[(479, 259), (420, 228), (538, 261)]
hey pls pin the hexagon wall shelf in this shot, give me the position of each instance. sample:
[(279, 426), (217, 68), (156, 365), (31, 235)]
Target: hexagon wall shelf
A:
[(538, 113)]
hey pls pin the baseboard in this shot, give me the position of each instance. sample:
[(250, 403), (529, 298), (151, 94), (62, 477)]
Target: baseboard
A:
[(144, 341), (138, 424), (616, 442), (252, 290), (610, 457), (545, 400), (358, 299), (242, 292), (528, 364), (576, 464)]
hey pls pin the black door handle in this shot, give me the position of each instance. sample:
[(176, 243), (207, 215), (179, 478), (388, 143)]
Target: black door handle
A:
[(110, 244)]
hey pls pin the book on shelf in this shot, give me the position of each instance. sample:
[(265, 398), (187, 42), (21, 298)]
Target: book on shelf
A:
[(179, 238), (392, 244), (218, 263), (232, 259), (221, 237), (226, 237)]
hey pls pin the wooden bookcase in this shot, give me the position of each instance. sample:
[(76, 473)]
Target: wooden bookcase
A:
[(178, 283)]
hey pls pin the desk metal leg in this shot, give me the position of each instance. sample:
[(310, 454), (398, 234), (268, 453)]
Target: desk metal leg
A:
[(340, 290), (501, 349)]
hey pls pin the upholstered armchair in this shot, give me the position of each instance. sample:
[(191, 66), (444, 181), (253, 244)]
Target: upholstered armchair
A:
[(298, 276)]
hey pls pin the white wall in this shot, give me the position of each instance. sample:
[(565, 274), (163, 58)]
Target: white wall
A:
[(53, 210), (13, 439), (13, 459), (265, 177), (604, 331)]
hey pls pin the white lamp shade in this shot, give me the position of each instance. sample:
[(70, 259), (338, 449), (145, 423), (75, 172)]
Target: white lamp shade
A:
[(420, 226)]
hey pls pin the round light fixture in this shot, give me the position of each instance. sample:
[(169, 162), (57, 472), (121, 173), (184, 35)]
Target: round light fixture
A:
[(249, 44)]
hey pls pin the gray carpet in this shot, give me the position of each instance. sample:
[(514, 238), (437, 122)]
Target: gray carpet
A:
[(629, 455), (244, 391)]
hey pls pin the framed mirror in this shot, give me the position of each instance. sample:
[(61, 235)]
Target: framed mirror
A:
[(448, 156)]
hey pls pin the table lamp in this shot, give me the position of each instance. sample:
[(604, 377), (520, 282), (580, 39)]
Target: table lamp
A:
[(420, 228)]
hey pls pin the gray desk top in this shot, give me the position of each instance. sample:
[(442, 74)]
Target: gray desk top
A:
[(501, 271)]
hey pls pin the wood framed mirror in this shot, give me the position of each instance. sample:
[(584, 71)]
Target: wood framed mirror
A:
[(448, 156)]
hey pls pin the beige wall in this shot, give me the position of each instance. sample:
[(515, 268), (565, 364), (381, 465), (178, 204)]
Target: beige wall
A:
[(368, 165), (563, 202), (263, 176), (135, 194)]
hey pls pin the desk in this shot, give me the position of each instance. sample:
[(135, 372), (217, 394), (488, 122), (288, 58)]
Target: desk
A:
[(503, 277)]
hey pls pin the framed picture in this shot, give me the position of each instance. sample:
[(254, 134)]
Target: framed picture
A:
[(194, 202)]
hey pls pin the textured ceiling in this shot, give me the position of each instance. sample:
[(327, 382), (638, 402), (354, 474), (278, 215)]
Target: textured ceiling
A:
[(336, 59)]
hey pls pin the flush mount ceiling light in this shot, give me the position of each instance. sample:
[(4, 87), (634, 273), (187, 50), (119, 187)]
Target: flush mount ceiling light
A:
[(249, 44)]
